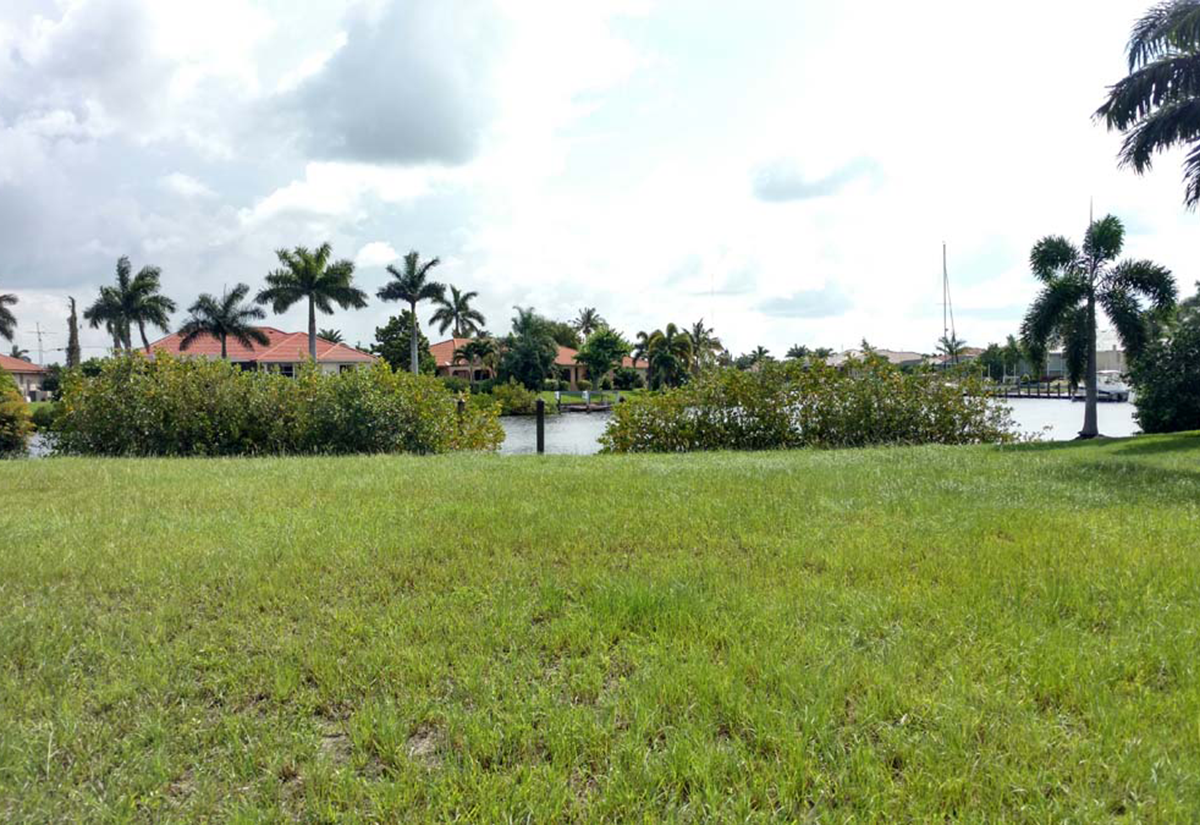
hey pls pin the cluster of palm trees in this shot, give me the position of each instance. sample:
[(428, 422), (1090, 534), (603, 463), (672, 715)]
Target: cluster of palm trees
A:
[(309, 276), (673, 355)]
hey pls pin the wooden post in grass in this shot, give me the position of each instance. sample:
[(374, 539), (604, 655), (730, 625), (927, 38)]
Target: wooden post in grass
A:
[(541, 426)]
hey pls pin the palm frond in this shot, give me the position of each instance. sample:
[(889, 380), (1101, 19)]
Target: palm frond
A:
[(1171, 125), (1128, 319), (1170, 80), (1052, 255), (1147, 279), (1073, 332), (1162, 30), (1105, 239), (1041, 323)]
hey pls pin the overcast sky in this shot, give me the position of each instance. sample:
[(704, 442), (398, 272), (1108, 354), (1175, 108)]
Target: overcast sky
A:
[(786, 170)]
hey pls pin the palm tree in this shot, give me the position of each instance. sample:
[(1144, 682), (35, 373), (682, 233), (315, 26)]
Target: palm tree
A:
[(952, 347), (796, 352), (1156, 104), (456, 311), (476, 352), (333, 336), (670, 354), (8, 323), (760, 354), (705, 346), (1074, 282), (641, 352), (412, 286), (588, 321), (223, 318), (132, 300), (17, 352), (308, 275)]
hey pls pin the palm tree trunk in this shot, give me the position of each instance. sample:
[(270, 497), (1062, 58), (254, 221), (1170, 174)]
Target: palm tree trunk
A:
[(224, 357), (312, 330), (1091, 427), (142, 332), (414, 363)]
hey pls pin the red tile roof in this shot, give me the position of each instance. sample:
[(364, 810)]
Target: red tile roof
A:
[(15, 365), (282, 348)]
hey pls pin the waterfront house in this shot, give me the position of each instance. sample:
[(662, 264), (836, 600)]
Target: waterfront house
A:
[(28, 376), (564, 363), (284, 352)]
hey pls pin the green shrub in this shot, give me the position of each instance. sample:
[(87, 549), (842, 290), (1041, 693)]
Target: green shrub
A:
[(583, 384), (514, 399), (627, 378), (564, 386), (1167, 380), (484, 387), (196, 406), (550, 385), (15, 423), (606, 383), (785, 405), (455, 384), (43, 416)]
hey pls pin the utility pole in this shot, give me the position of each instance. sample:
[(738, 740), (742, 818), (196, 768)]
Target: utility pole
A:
[(39, 332)]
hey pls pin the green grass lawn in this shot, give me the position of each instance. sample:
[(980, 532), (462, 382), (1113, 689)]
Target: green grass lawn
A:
[(919, 634)]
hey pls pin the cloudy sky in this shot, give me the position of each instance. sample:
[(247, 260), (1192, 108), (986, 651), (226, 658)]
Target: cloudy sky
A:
[(785, 169)]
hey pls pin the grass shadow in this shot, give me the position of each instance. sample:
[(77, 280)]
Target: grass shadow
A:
[(1150, 445)]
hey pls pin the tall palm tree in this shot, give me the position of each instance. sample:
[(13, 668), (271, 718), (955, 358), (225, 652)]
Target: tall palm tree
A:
[(588, 321), (1074, 281), (412, 285), (457, 312), (641, 352), (309, 275), (797, 352), (18, 352), (8, 323), (1157, 104), (333, 336), (134, 300), (670, 355), (223, 318), (705, 346), (759, 354)]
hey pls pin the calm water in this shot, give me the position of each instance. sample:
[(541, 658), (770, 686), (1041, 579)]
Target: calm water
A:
[(1053, 419)]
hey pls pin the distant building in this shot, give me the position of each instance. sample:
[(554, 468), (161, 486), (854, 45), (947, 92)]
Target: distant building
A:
[(28, 376), (899, 358), (284, 352), (564, 362)]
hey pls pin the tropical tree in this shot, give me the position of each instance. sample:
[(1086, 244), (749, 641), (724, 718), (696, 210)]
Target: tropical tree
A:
[(8, 323), (224, 318), (641, 352), (705, 346), (392, 344), (588, 321), (333, 336), (1157, 105), (759, 354), (134, 300), (602, 352), (529, 350), (308, 275), (669, 352), (1074, 282), (74, 356), (797, 352), (18, 352), (456, 311), (952, 347), (412, 285), (477, 352)]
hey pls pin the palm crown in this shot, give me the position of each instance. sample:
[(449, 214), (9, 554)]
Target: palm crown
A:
[(669, 352), (134, 300), (1074, 281), (1157, 105), (588, 321), (308, 275), (8, 323), (456, 311), (223, 318), (412, 285)]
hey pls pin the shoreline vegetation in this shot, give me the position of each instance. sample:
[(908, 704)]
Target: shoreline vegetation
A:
[(908, 633)]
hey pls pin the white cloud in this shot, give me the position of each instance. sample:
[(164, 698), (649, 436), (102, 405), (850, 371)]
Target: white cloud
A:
[(376, 253), (186, 186)]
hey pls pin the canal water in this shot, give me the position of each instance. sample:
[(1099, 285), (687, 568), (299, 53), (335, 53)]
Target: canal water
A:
[(1051, 418)]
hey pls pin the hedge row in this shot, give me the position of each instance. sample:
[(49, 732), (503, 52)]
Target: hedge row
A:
[(794, 404), (197, 407)]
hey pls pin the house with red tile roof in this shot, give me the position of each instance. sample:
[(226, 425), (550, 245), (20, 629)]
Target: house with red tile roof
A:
[(569, 370), (28, 376), (284, 352)]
